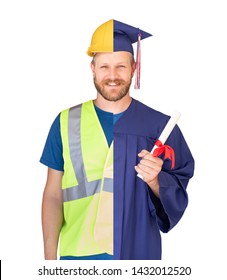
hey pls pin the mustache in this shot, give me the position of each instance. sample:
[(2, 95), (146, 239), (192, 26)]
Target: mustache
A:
[(116, 81)]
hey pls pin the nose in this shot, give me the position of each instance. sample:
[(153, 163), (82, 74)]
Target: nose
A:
[(112, 73)]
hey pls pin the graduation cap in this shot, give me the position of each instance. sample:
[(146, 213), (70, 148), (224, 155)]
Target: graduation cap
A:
[(113, 36)]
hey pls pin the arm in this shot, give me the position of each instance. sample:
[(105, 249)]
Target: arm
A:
[(149, 168), (52, 213), (169, 195)]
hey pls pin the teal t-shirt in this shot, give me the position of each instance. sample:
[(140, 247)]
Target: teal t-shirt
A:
[(107, 121)]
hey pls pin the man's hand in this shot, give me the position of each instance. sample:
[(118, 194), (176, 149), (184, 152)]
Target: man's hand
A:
[(149, 168)]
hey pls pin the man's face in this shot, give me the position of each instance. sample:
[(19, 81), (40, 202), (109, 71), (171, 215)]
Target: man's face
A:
[(113, 74)]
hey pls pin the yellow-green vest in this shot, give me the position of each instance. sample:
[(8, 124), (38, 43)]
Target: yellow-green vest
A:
[(87, 184)]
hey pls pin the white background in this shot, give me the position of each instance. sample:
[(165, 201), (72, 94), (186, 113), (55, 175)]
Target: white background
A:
[(44, 69)]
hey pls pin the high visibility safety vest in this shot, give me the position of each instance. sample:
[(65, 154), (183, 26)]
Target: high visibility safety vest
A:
[(87, 184)]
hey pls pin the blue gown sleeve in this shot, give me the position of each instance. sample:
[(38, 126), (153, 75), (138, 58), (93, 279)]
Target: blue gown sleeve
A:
[(173, 183)]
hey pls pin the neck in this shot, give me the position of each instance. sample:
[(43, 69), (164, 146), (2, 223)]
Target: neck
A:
[(114, 107)]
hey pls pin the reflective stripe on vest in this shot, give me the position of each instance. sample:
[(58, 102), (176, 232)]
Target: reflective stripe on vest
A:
[(87, 188), (91, 188), (84, 187)]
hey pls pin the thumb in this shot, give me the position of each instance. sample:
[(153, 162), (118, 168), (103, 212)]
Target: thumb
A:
[(143, 153)]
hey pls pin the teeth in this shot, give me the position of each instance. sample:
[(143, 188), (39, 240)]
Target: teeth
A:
[(112, 84)]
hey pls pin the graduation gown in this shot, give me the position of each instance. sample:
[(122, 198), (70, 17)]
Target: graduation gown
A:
[(139, 215)]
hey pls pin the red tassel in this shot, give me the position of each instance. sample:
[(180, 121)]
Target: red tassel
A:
[(138, 63)]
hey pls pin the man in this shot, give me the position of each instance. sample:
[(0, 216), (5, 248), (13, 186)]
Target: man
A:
[(93, 198)]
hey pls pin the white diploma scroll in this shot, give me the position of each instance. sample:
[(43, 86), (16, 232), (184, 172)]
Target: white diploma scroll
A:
[(166, 131)]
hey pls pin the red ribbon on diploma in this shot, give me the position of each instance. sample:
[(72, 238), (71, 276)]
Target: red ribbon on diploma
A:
[(166, 150)]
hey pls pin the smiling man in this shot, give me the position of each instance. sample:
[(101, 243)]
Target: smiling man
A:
[(113, 74), (93, 200)]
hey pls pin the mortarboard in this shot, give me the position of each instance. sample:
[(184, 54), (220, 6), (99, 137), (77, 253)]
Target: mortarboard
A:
[(113, 36)]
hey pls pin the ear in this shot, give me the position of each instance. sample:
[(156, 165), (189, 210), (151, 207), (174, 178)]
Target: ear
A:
[(92, 68), (133, 68)]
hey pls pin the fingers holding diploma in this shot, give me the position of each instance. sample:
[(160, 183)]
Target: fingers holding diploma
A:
[(148, 169)]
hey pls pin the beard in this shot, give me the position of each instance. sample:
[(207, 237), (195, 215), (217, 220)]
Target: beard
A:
[(113, 94)]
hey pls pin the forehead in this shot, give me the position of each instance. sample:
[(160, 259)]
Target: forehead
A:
[(113, 57)]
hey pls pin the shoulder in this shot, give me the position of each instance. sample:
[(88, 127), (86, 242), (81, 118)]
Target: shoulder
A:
[(141, 119), (76, 107), (144, 109)]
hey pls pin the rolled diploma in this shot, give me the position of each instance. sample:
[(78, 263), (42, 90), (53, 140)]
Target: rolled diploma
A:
[(166, 131)]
